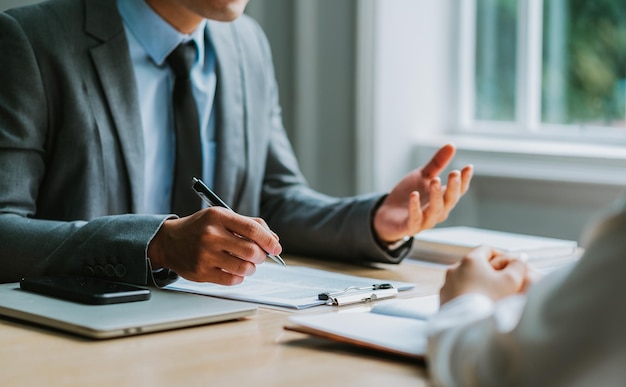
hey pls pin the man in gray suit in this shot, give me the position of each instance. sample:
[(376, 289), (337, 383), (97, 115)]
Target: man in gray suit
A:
[(87, 152)]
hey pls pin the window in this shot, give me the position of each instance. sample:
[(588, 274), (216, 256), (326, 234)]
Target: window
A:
[(502, 80), (544, 67)]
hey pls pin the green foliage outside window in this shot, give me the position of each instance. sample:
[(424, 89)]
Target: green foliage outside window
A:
[(583, 79), (595, 73)]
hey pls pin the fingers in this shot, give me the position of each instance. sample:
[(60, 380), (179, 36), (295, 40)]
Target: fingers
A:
[(415, 214), (213, 245), (452, 191), (466, 176), (500, 262), (223, 278), (265, 226), (235, 265), (458, 185), (231, 245), (514, 274), (472, 275), (398, 216), (477, 273), (444, 199), (435, 211), (218, 276), (512, 271), (501, 259), (221, 268), (439, 161), (482, 254), (254, 230)]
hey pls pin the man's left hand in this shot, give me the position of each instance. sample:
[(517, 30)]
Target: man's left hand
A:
[(420, 201)]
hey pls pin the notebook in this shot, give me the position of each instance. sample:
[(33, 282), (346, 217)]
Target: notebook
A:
[(396, 326), (163, 311)]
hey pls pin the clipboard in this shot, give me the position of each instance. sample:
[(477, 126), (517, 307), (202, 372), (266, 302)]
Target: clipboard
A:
[(353, 295), (297, 287)]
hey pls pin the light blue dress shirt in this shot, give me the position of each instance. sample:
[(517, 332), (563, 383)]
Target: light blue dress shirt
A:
[(151, 39)]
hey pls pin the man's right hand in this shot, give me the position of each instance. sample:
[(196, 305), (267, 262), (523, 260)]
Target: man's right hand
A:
[(213, 245)]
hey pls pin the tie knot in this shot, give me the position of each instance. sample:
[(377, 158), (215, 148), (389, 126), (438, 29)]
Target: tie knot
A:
[(182, 58)]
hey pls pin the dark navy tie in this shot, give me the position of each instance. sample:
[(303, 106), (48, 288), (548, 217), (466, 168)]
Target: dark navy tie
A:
[(188, 159)]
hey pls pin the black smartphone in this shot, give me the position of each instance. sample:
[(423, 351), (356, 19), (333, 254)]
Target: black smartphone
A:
[(86, 290)]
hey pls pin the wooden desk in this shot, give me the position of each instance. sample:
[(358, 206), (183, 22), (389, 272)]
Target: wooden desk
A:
[(255, 351)]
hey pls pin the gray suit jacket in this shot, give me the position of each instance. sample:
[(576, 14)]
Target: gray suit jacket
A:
[(72, 158)]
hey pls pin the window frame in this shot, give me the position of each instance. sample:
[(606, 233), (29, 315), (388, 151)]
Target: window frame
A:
[(528, 124), (419, 63)]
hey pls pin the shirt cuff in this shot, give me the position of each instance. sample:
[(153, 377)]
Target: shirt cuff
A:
[(459, 311), (160, 277), (443, 328)]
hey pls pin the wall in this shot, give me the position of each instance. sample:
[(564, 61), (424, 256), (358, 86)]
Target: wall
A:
[(556, 209), (313, 44), (276, 17)]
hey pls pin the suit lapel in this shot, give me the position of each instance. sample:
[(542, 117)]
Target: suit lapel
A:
[(230, 169), (117, 78), (118, 82)]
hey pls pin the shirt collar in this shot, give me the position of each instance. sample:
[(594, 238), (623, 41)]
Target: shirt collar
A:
[(154, 34)]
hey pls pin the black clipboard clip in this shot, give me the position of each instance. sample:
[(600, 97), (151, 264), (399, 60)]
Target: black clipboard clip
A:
[(354, 294)]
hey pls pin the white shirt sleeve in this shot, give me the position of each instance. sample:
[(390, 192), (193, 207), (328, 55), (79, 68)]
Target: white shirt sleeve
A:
[(568, 331), (451, 348)]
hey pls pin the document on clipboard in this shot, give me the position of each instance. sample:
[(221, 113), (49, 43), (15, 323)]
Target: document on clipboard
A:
[(297, 287)]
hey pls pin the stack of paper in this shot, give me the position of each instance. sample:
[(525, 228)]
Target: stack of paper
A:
[(449, 244)]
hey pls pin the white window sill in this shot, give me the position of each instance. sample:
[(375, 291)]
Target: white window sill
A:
[(536, 160)]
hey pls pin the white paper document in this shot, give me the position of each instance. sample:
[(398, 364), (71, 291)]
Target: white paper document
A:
[(292, 286)]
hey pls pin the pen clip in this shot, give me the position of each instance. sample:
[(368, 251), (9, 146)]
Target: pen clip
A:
[(204, 198), (208, 196)]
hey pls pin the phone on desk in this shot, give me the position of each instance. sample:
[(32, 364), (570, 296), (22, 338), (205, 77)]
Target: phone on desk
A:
[(86, 290)]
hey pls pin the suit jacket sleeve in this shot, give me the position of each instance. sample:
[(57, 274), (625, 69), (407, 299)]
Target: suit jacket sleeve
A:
[(55, 216), (308, 222)]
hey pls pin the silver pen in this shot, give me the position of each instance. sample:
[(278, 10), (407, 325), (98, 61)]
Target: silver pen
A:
[(211, 199)]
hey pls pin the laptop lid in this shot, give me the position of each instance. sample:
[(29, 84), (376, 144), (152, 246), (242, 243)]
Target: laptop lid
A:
[(164, 310)]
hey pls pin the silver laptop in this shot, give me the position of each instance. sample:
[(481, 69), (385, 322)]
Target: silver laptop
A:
[(164, 310)]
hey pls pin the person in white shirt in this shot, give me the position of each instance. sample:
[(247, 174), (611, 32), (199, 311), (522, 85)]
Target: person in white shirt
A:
[(499, 327)]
